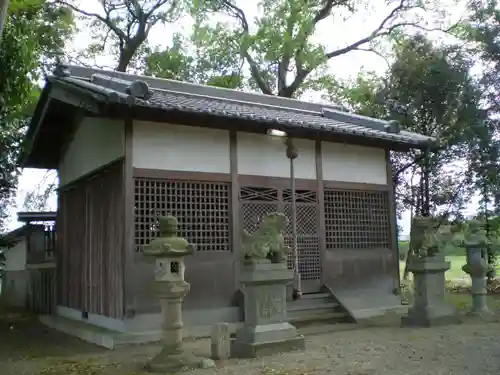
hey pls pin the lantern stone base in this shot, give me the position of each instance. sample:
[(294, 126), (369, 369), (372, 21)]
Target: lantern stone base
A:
[(480, 309), (168, 363), (430, 307), (266, 329), (485, 315)]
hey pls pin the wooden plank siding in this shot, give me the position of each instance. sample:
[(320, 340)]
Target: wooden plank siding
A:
[(90, 243)]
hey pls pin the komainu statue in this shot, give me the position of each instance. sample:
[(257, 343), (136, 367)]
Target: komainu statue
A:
[(268, 241)]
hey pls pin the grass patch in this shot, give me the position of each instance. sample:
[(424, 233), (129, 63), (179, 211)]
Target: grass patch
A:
[(455, 272), (456, 279)]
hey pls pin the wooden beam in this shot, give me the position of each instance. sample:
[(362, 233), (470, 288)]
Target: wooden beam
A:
[(235, 204), (26, 154), (73, 99), (393, 223), (129, 221), (321, 208)]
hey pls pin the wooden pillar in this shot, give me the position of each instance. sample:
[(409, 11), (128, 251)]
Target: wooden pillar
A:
[(321, 208), (129, 222), (235, 204), (393, 223)]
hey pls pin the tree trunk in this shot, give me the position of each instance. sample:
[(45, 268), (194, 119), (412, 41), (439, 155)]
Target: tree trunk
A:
[(4, 6)]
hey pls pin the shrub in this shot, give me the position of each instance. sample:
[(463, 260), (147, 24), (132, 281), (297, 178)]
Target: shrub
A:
[(403, 247)]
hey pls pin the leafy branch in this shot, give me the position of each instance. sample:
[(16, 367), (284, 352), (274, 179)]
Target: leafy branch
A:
[(295, 52), (126, 24)]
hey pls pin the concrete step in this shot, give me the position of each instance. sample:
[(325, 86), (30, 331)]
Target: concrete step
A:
[(292, 307), (315, 296), (318, 307), (318, 316)]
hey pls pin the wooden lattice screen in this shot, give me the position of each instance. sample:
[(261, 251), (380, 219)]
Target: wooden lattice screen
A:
[(202, 208), (307, 232), (356, 219), (256, 202)]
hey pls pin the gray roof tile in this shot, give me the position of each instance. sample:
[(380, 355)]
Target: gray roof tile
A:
[(285, 117), (203, 100)]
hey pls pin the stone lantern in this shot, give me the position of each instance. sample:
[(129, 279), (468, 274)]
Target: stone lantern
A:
[(169, 251), (476, 246)]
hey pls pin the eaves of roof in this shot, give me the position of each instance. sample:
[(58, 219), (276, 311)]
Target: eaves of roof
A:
[(112, 91)]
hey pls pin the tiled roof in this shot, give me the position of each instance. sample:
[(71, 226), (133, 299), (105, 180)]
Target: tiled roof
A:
[(188, 98), (274, 116)]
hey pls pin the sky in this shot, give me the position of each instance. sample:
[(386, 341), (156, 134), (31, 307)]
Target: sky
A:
[(332, 33)]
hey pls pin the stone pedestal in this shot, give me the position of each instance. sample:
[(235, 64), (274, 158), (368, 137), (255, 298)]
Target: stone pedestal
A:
[(477, 268), (266, 329), (430, 307)]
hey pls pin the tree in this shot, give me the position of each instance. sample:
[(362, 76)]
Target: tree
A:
[(38, 198), (124, 25), (278, 48), (482, 29), (429, 90), (209, 66), (33, 30)]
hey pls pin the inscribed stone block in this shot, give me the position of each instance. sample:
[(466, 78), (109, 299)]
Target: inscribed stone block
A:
[(221, 341)]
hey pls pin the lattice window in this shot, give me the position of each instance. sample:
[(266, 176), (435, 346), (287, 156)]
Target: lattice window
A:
[(307, 240), (356, 219), (202, 208), (255, 203), (301, 196)]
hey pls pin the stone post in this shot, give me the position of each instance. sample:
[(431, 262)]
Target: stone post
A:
[(169, 251), (476, 246), (428, 267), (264, 279)]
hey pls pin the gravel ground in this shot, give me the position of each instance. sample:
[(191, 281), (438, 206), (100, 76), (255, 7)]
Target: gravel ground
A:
[(463, 349), (471, 348)]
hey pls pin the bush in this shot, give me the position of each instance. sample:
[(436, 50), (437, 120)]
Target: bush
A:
[(404, 246)]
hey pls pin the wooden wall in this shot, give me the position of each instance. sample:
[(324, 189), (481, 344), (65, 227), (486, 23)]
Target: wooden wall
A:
[(90, 246), (344, 227)]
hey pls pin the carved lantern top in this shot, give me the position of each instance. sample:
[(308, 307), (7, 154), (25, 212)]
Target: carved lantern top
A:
[(168, 243), (268, 241), (476, 235)]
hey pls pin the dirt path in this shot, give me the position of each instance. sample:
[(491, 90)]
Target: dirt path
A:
[(472, 348)]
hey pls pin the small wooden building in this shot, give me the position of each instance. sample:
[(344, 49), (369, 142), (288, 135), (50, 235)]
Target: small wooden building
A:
[(130, 148), (29, 274)]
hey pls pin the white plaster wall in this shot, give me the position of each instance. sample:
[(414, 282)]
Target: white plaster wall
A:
[(15, 257), (181, 148), (262, 155), (349, 163), (96, 142)]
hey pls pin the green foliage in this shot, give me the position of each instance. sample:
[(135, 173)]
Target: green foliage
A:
[(429, 90), (122, 27), (209, 66), (34, 30), (403, 248), (277, 48)]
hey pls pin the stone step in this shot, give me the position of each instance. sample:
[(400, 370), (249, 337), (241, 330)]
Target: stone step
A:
[(317, 316), (317, 307), (312, 305), (315, 296)]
